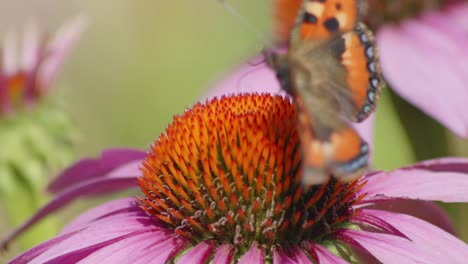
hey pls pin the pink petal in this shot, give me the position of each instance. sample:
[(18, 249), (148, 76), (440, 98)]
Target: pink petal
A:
[(99, 234), (224, 254), (10, 59), (161, 252), (293, 255), (417, 184), (140, 248), (121, 251), (322, 255), (248, 78), (299, 255), (443, 164), (98, 212), (425, 58), (458, 13), (39, 249), (386, 248), (424, 210), (426, 238), (87, 169), (198, 254), (280, 256), (31, 48), (254, 255), (119, 179), (59, 48), (376, 222)]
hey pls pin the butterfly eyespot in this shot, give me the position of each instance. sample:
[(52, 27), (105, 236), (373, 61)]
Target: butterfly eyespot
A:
[(370, 52), (364, 37), (371, 66), (332, 24), (367, 109), (338, 6), (371, 96), (375, 83)]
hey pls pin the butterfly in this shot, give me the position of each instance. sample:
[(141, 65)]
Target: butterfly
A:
[(331, 70)]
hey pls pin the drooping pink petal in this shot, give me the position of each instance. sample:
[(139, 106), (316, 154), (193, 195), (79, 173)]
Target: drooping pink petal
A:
[(425, 210), (425, 61), (254, 255), (451, 164), (322, 255), (123, 250), (376, 222), (426, 237), (386, 248), (119, 179), (416, 183), (224, 254), (104, 210), (199, 254), (39, 249), (109, 237), (98, 234), (58, 49), (139, 248), (87, 169)]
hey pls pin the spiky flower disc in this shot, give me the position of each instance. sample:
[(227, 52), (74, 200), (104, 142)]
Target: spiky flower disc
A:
[(229, 171)]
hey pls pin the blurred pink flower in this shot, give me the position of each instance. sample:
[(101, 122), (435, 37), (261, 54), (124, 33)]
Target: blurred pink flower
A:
[(206, 183), (425, 60), (27, 75)]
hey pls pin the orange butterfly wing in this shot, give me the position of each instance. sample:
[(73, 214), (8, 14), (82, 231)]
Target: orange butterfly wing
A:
[(323, 18), (344, 154), (364, 76), (332, 65)]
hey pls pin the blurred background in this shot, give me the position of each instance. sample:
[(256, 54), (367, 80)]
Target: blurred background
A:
[(140, 62)]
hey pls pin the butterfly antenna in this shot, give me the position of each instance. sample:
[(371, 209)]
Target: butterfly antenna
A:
[(247, 24)]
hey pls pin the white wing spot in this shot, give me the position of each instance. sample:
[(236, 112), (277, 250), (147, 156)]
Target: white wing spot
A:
[(342, 18), (314, 8)]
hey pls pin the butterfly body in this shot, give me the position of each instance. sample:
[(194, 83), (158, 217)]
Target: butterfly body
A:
[(331, 71)]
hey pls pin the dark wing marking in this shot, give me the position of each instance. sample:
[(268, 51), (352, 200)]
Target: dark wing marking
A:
[(357, 52), (320, 19)]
